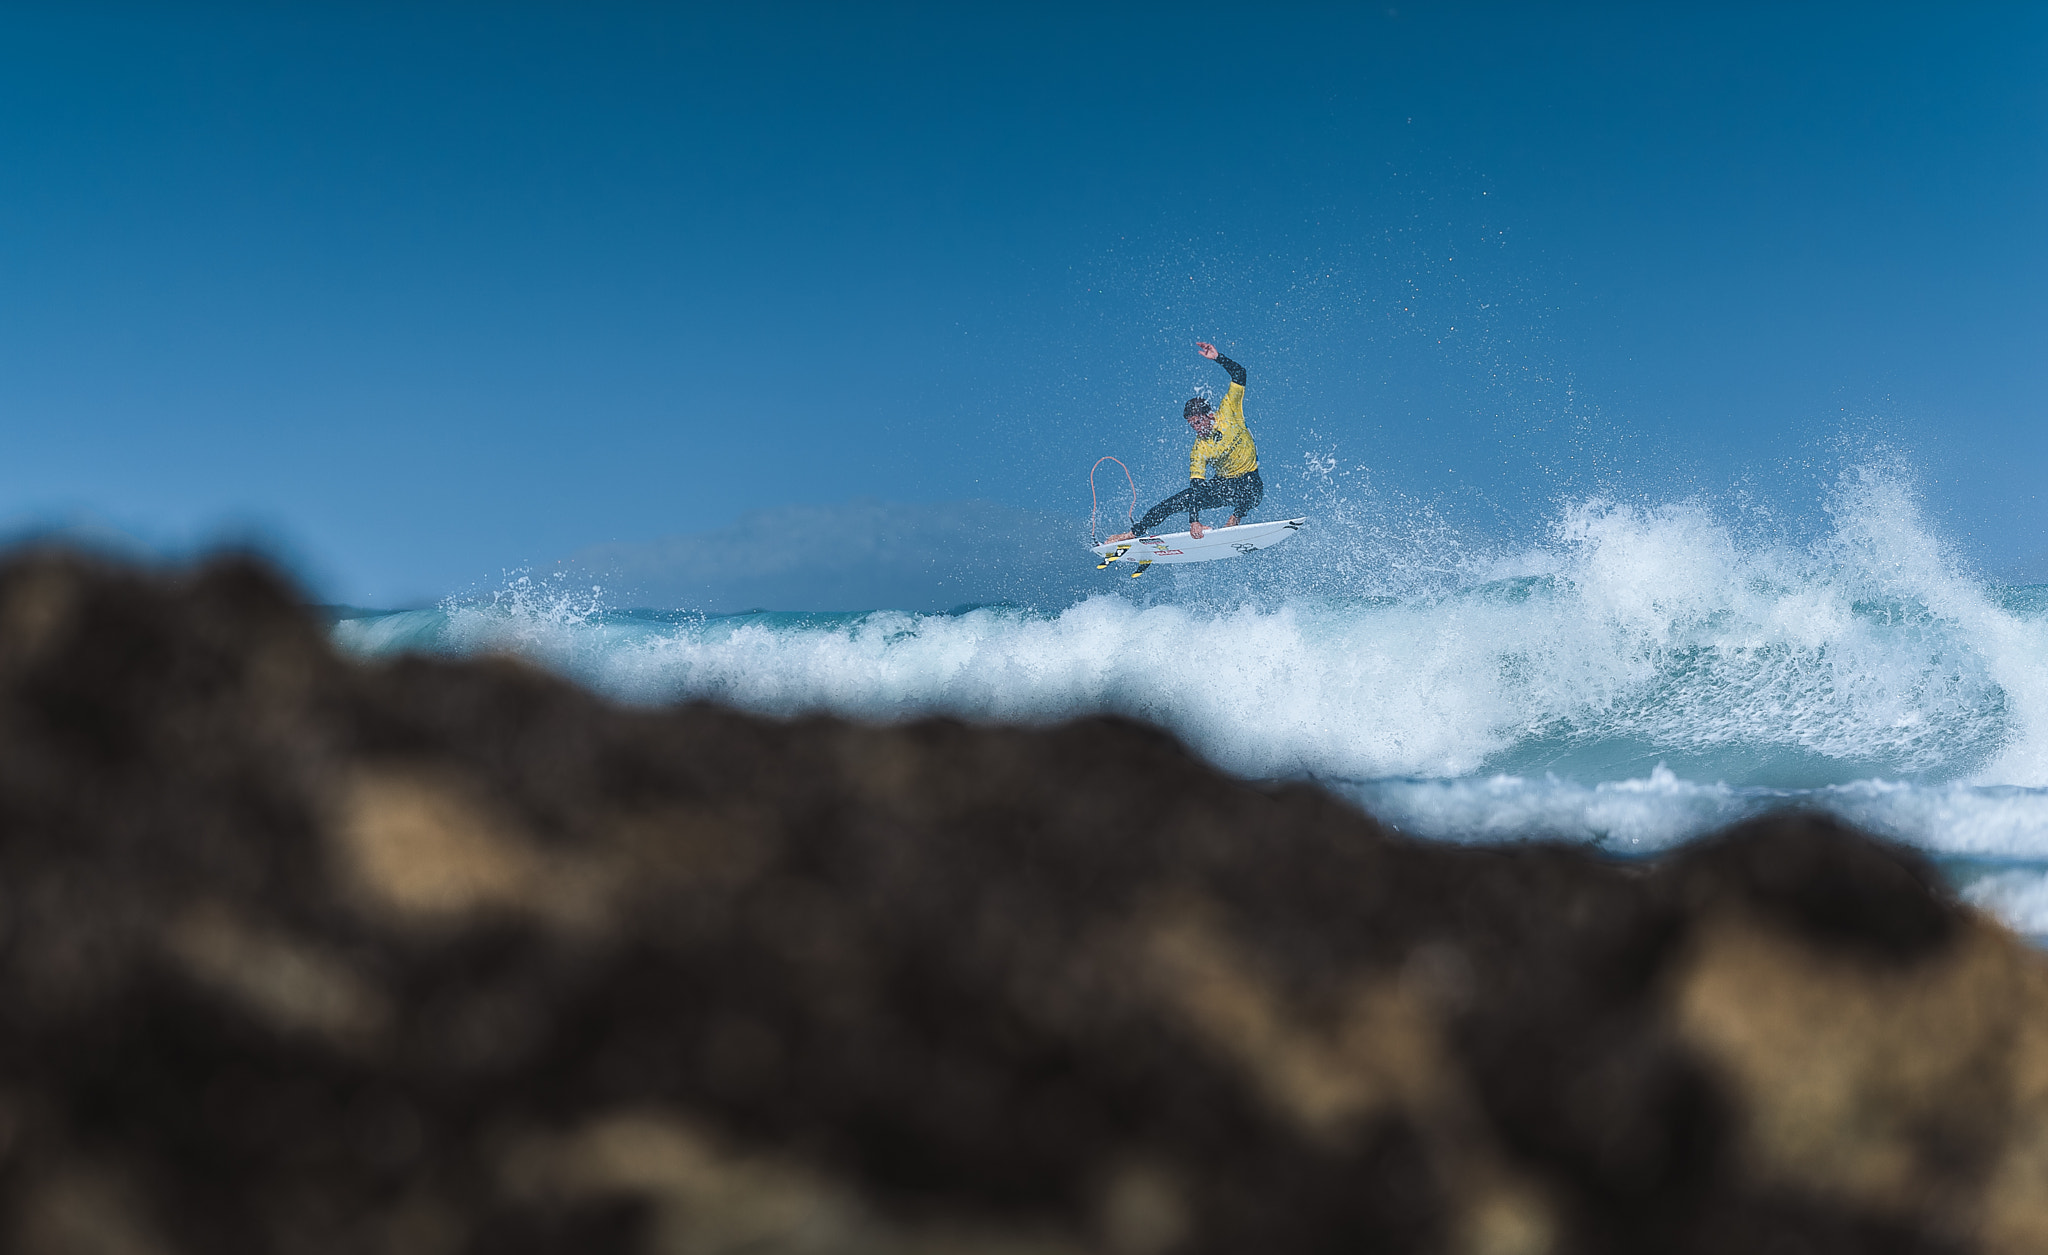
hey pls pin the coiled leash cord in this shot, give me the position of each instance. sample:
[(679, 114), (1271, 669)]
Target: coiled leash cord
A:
[(1132, 517)]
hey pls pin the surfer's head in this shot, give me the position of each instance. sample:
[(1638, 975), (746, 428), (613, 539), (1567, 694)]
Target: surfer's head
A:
[(1199, 415)]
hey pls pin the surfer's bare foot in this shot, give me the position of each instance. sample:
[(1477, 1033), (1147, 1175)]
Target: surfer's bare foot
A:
[(1232, 522), (1118, 536), (1195, 530)]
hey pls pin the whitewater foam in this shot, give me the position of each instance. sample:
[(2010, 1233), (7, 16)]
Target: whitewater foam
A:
[(1640, 675), (1644, 641)]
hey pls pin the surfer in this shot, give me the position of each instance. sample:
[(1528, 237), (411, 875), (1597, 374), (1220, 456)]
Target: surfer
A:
[(1220, 437)]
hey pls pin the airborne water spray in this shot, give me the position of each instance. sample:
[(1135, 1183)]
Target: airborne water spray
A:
[(1637, 675)]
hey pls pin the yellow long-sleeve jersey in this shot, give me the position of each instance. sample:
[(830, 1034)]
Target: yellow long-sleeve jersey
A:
[(1228, 444)]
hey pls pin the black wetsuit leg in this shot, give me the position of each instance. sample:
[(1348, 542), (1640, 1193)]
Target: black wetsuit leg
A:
[(1240, 494), (1246, 491), (1176, 504), (1190, 501)]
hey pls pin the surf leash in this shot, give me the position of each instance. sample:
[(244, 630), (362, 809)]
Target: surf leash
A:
[(1132, 517)]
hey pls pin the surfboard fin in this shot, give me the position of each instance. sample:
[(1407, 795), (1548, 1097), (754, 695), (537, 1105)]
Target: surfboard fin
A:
[(1121, 550), (1141, 570)]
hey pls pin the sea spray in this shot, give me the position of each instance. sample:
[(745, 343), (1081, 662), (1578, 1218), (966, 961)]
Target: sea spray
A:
[(1638, 675)]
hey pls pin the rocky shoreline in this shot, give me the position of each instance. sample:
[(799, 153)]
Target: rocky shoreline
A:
[(299, 954)]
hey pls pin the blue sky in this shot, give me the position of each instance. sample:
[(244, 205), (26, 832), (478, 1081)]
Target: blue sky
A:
[(417, 294)]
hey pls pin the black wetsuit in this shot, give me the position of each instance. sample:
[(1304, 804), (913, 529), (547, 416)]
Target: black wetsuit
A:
[(1241, 493)]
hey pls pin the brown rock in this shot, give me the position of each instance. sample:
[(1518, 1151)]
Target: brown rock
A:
[(303, 956)]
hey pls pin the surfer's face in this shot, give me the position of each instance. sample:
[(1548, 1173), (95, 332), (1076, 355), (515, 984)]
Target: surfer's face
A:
[(1202, 423)]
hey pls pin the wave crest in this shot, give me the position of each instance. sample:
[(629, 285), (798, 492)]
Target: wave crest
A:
[(1628, 635)]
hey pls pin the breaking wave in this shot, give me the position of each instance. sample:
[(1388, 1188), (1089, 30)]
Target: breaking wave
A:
[(1638, 675)]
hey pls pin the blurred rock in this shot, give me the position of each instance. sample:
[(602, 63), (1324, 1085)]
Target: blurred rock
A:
[(306, 957)]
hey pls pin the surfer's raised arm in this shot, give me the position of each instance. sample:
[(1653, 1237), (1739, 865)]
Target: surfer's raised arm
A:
[(1208, 350)]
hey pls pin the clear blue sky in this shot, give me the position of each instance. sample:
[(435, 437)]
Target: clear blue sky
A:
[(423, 292)]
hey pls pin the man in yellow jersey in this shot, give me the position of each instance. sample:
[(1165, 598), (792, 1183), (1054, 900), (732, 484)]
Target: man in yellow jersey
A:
[(1220, 437)]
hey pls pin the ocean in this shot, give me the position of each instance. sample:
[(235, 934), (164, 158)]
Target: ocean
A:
[(1633, 676)]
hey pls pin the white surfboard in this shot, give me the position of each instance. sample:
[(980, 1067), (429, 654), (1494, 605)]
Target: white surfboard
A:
[(1216, 542)]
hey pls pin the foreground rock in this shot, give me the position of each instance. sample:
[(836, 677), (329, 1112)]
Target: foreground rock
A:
[(302, 956)]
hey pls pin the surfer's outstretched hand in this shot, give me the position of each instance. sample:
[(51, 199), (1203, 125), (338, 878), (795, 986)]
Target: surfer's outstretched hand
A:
[(1206, 349)]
